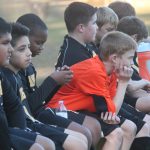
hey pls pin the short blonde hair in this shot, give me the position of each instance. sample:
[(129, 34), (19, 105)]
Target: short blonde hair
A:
[(106, 15), (116, 42)]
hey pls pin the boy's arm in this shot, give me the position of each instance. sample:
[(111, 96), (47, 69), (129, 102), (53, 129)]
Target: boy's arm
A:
[(12, 106), (136, 85), (48, 88), (124, 74)]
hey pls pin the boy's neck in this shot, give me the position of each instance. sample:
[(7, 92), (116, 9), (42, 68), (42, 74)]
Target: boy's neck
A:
[(12, 68), (78, 38), (108, 66)]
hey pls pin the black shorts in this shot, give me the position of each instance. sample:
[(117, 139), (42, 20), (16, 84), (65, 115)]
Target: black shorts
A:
[(76, 117), (139, 123), (54, 133), (133, 111), (48, 116), (106, 128), (130, 100), (20, 139)]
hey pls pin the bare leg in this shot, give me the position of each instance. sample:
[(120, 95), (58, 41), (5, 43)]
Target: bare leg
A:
[(73, 143), (114, 140), (94, 126), (143, 104), (129, 132), (46, 143), (144, 132), (81, 129), (36, 146)]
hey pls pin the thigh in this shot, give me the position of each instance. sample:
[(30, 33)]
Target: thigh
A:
[(139, 123)]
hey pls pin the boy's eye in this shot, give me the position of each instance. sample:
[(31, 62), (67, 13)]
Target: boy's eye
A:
[(6, 42), (21, 49), (110, 29)]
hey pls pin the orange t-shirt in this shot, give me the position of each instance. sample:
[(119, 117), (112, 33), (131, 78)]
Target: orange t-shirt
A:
[(90, 78)]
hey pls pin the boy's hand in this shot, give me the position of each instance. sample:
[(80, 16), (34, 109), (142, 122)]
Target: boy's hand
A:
[(124, 73), (62, 75), (110, 118)]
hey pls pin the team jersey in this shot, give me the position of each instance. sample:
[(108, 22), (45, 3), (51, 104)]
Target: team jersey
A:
[(72, 52), (90, 78)]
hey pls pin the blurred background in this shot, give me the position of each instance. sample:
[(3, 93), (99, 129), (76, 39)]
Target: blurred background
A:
[(51, 11)]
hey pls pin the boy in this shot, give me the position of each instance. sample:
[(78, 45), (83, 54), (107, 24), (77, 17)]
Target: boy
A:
[(80, 19), (138, 86), (94, 81), (13, 124), (107, 18), (71, 56), (36, 95), (122, 9), (20, 59), (106, 21)]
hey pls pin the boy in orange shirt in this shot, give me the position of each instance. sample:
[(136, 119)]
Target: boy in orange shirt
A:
[(93, 88)]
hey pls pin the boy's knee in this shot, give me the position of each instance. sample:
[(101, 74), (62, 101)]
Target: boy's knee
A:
[(129, 128), (50, 145), (45, 142), (36, 146), (115, 135), (75, 143), (93, 125), (145, 128)]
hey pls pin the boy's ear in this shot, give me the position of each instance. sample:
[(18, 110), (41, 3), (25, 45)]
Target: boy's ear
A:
[(80, 28), (113, 58)]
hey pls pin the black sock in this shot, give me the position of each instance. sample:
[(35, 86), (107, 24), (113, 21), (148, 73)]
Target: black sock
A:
[(142, 143)]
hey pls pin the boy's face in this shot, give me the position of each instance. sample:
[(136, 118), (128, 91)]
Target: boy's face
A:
[(21, 56), (5, 48), (125, 60), (90, 30), (37, 41), (103, 30)]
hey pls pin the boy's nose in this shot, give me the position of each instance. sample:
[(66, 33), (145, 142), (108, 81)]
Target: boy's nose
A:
[(29, 52), (10, 49)]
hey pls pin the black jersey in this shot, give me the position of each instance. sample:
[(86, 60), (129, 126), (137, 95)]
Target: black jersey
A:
[(72, 52), (37, 96), (11, 112)]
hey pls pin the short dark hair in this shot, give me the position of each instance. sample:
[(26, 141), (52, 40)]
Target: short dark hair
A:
[(76, 13), (122, 9), (18, 30), (32, 21), (4, 27), (133, 25)]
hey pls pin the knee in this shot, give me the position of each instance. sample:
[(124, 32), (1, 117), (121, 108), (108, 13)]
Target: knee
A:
[(80, 131), (94, 126), (130, 129), (145, 128), (83, 137), (74, 143), (50, 145), (45, 142), (36, 146), (115, 136)]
